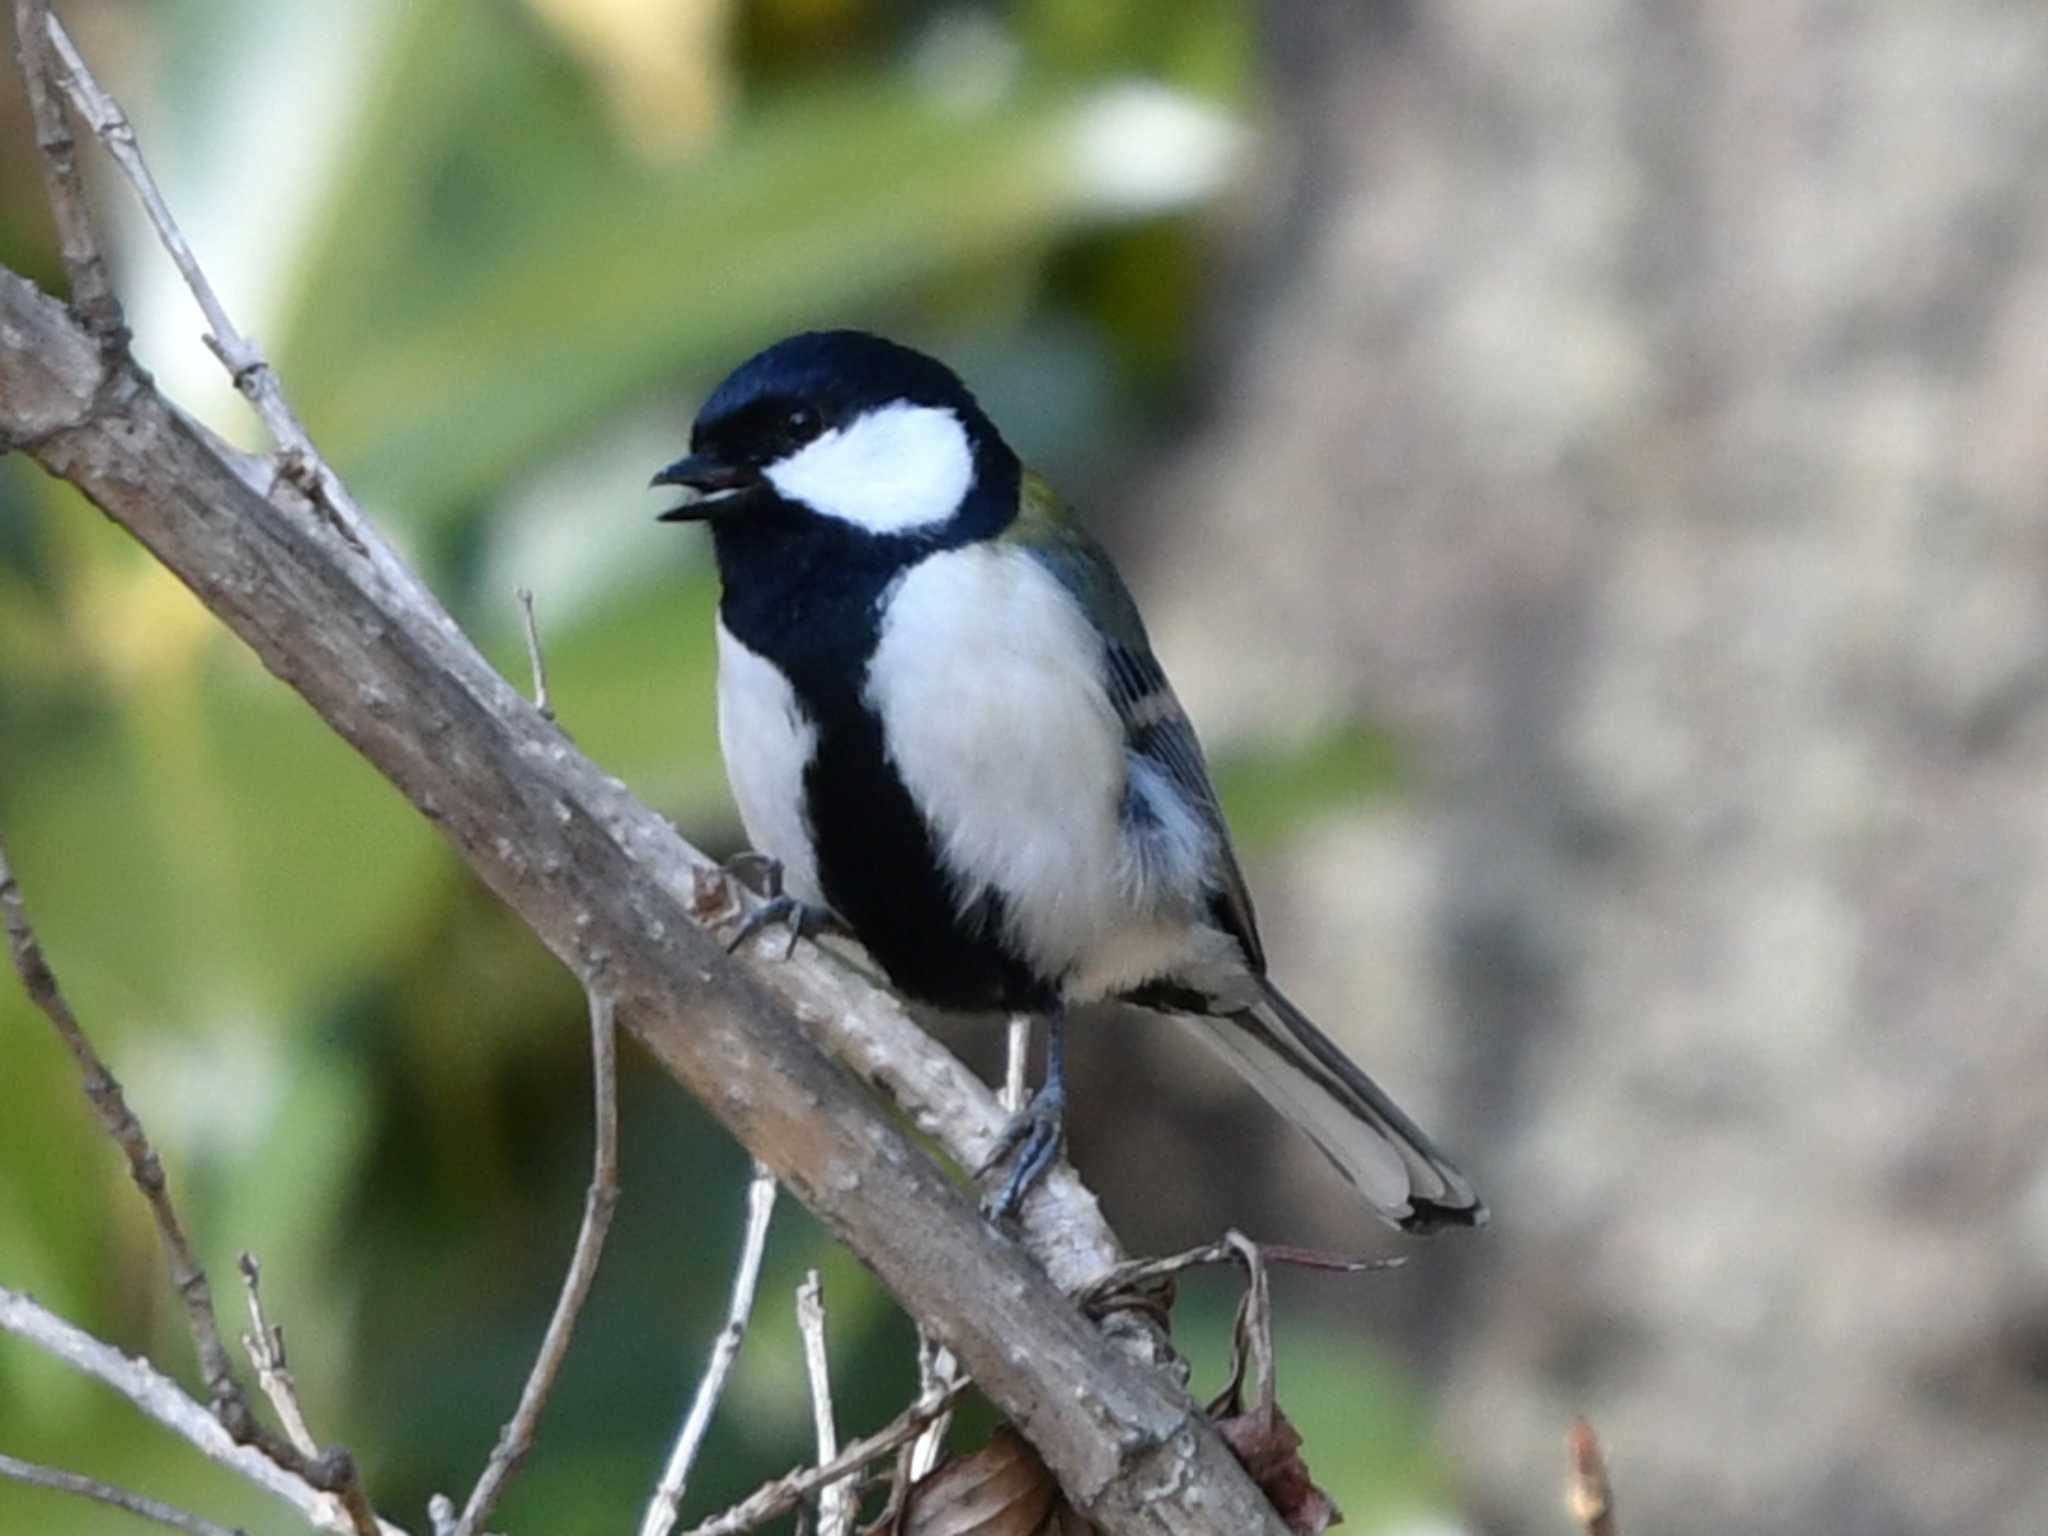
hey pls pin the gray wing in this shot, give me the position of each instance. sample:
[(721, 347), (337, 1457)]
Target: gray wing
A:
[(1156, 728)]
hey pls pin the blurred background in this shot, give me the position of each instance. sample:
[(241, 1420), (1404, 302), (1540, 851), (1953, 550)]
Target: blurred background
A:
[(1584, 467)]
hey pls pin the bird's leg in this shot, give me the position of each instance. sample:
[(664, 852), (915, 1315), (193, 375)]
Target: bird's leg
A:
[(1034, 1134), (804, 919), (759, 872)]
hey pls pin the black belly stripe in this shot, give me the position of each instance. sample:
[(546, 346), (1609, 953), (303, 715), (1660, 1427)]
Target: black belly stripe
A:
[(879, 866), (806, 594)]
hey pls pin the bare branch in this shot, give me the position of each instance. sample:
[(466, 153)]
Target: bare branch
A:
[(668, 1493), (298, 461), (1587, 1493), (1230, 1249), (872, 1033), (265, 1348), (786, 1493), (92, 290), (165, 1401), (333, 1470), (1016, 1063), (533, 655), (836, 1504), (106, 1493), (517, 1437), (103, 1091), (937, 1371)]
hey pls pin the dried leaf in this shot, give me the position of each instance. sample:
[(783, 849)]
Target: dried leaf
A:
[(1271, 1453), (1587, 1492), (1065, 1520), (1003, 1489)]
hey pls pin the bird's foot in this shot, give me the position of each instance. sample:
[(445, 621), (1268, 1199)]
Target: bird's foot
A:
[(1034, 1135), (803, 919)]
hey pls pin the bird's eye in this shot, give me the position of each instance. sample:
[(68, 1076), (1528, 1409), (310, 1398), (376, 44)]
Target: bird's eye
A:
[(801, 423)]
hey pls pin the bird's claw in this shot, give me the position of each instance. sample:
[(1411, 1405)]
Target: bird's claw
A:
[(803, 919), (1034, 1134)]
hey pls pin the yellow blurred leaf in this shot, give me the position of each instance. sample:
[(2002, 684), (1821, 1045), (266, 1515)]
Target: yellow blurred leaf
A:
[(663, 65)]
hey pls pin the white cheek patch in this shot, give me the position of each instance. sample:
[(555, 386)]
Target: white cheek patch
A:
[(890, 471)]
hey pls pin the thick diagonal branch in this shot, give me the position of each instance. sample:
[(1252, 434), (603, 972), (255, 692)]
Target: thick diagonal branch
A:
[(609, 887)]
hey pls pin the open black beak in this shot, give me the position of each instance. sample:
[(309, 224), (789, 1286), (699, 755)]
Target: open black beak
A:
[(720, 487)]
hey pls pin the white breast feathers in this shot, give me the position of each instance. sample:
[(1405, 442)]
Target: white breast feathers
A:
[(988, 681), (767, 741)]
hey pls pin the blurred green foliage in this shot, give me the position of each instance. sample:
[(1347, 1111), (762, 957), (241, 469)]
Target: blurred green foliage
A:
[(494, 312)]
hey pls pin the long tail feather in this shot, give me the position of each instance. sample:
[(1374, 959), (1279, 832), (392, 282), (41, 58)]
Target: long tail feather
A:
[(1301, 1072)]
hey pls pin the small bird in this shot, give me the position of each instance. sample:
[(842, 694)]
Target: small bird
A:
[(942, 719)]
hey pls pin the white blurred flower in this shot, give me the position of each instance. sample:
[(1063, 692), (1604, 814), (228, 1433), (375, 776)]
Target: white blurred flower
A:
[(1140, 147)]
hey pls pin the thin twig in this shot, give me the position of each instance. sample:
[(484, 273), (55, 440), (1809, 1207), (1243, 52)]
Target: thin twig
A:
[(1587, 1492), (541, 701), (335, 1470), (298, 461), (106, 1493), (836, 1504), (1226, 1250), (936, 1371), (901, 1480), (92, 290), (1016, 1060), (163, 1400), (786, 1493), (265, 1347), (603, 1195), (121, 1124), (675, 1477)]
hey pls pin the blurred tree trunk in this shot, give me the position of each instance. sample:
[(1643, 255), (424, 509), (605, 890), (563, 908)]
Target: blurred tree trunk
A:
[(1644, 410)]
